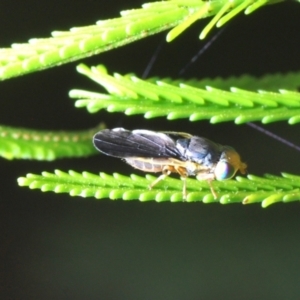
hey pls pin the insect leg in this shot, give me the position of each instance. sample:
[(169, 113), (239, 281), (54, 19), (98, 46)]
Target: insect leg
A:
[(165, 173), (183, 174), (184, 190), (212, 189), (209, 178)]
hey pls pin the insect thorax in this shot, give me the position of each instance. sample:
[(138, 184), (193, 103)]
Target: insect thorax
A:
[(193, 169)]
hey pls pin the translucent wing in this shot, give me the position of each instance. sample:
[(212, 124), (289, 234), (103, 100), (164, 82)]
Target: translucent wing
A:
[(123, 143)]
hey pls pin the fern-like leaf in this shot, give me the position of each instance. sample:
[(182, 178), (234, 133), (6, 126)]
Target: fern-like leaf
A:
[(45, 145), (132, 95), (79, 42), (268, 190)]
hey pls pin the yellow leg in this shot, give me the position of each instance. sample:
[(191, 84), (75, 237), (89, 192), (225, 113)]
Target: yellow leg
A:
[(166, 173), (184, 190), (212, 189), (183, 175)]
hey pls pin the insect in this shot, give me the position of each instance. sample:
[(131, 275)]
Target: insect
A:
[(171, 152)]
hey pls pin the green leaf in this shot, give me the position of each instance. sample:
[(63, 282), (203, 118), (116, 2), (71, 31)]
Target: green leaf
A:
[(267, 190), (134, 24), (45, 145), (215, 100)]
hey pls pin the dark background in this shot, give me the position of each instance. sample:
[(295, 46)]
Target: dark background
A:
[(53, 246)]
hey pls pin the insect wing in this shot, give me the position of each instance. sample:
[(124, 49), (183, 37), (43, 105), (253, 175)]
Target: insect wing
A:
[(123, 143)]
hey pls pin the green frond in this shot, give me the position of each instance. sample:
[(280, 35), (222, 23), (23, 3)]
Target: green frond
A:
[(45, 145), (268, 190), (268, 82), (135, 24), (195, 100)]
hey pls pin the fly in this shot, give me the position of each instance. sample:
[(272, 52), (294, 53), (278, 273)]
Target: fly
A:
[(171, 152)]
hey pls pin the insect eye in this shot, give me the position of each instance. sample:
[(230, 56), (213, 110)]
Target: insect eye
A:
[(224, 170)]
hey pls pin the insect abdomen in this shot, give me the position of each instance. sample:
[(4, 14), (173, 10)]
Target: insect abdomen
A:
[(146, 165)]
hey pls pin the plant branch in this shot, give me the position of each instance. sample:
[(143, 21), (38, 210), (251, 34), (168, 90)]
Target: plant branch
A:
[(195, 100), (45, 145), (79, 42), (267, 190)]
